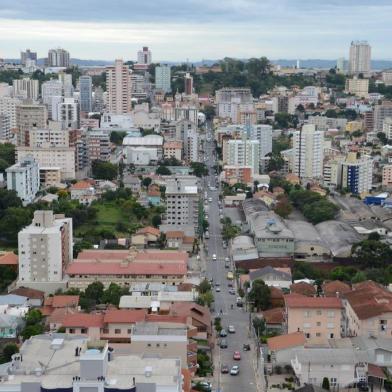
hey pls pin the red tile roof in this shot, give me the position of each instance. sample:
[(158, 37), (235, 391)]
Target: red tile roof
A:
[(166, 318), (282, 342), (276, 293), (29, 293), (149, 230), (58, 315), (273, 316), (132, 268), (62, 301), (83, 320), (81, 185), (303, 288), (312, 302), (331, 288), (124, 316), (175, 234), (9, 258)]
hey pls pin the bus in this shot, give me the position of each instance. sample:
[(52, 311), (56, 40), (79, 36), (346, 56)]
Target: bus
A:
[(230, 275)]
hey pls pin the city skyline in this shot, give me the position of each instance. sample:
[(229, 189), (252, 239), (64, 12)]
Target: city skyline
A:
[(239, 28)]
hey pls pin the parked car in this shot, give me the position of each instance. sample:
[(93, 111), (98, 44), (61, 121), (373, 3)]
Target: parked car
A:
[(237, 355), (240, 304), (223, 343), (232, 291), (235, 370), (202, 386), (246, 347), (223, 333), (225, 369), (231, 329)]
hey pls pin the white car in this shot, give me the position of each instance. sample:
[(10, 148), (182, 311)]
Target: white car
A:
[(214, 257), (217, 289), (231, 329), (234, 370)]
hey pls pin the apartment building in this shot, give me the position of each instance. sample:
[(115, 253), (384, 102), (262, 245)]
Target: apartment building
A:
[(308, 149), (98, 145), (359, 58), (227, 98), (243, 152), (45, 249), (319, 318), (48, 137), (27, 117), (118, 85), (58, 58), (172, 149), (182, 202), (5, 127), (262, 133), (381, 112), (163, 78), (8, 107), (357, 87), (51, 157), (67, 113), (86, 93), (24, 179), (387, 176), (25, 88), (51, 93)]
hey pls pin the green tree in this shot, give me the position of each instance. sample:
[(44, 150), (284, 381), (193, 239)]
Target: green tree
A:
[(259, 326), (104, 170), (13, 220), (156, 220), (9, 350), (146, 182), (163, 171), (372, 254), (260, 295), (199, 169), (7, 153), (204, 286), (325, 384), (33, 316), (113, 294), (95, 291), (383, 138), (206, 299), (283, 208), (360, 276), (209, 112), (32, 330), (117, 137)]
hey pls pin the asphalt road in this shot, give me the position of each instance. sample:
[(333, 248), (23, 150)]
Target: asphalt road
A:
[(238, 317)]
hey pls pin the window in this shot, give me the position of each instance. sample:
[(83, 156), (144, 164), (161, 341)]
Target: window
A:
[(307, 313), (333, 381), (117, 331), (331, 313), (148, 344), (83, 330), (105, 330), (318, 324), (71, 330), (158, 345), (331, 335), (129, 331), (318, 334), (307, 335), (319, 312), (330, 325)]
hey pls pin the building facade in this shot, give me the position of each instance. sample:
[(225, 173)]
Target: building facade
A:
[(86, 93), (118, 85), (359, 59), (58, 58), (163, 78)]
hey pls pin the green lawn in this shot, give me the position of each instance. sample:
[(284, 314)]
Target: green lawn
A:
[(109, 214)]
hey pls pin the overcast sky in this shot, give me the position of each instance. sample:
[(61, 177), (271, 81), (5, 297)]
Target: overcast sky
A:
[(196, 29)]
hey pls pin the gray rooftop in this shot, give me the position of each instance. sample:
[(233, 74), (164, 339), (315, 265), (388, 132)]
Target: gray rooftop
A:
[(304, 232), (251, 206), (267, 224), (260, 273), (327, 356)]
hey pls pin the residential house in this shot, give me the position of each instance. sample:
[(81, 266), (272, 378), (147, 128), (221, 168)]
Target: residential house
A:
[(10, 326), (154, 195), (145, 237), (266, 197), (35, 297), (335, 288), (274, 320), (303, 288), (9, 259), (368, 310), (277, 277), (88, 324), (179, 237), (59, 302), (84, 192), (319, 318), (277, 297), (132, 182)]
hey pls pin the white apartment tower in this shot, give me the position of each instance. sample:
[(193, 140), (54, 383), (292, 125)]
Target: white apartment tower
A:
[(243, 152), (8, 107), (359, 60), (67, 113), (52, 92), (86, 93), (45, 249), (262, 133), (387, 127), (23, 178), (144, 56), (308, 146), (118, 85), (58, 58), (163, 78), (25, 88)]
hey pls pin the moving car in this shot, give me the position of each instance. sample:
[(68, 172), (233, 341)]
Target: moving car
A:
[(214, 257), (227, 259), (223, 343), (210, 199), (230, 276), (225, 369), (246, 347), (217, 289), (223, 333), (227, 265), (235, 370), (231, 329), (240, 304), (232, 291), (237, 355)]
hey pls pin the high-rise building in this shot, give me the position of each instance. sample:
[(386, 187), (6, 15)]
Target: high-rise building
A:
[(308, 149), (118, 87), (68, 113), (243, 152), (5, 90), (86, 93), (28, 117), (23, 178), (358, 87), (8, 107), (144, 56), (66, 81), (188, 84), (27, 55), (387, 127), (381, 112), (98, 145), (5, 128), (25, 88), (58, 58), (51, 92), (45, 250), (360, 57), (140, 85), (262, 133), (98, 100), (163, 78), (48, 137), (182, 201)]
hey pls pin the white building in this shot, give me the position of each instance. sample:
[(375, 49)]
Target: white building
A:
[(387, 127), (144, 56), (142, 155), (25, 88), (8, 107), (67, 113), (151, 146), (5, 127), (381, 112), (86, 93), (359, 60), (262, 133), (62, 157), (308, 146), (387, 77), (45, 249), (118, 87), (163, 78), (58, 58), (308, 96), (46, 137), (66, 81), (358, 87), (243, 152), (191, 145), (51, 92), (23, 178)]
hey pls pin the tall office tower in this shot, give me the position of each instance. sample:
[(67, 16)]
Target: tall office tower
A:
[(27, 55), (23, 178), (243, 152), (66, 81), (8, 107), (118, 87), (58, 58), (28, 117), (262, 133), (144, 56), (163, 78), (25, 88), (45, 250), (86, 93), (51, 92), (5, 128), (182, 200), (359, 61), (188, 84), (381, 112), (308, 146), (98, 100)]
